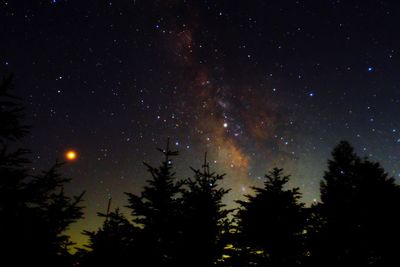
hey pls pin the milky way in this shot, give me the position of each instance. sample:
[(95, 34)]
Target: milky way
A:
[(224, 117), (255, 84)]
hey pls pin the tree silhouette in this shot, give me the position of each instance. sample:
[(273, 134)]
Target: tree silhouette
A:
[(358, 213), (271, 224), (49, 213), (203, 218), (184, 223), (34, 210), (112, 244), (156, 211), (11, 113)]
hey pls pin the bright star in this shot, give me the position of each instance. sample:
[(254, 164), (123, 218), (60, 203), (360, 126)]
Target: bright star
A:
[(71, 155)]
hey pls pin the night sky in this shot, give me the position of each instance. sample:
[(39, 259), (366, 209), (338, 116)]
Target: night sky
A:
[(256, 84)]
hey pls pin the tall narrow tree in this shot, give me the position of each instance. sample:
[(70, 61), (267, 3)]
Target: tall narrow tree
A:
[(359, 213), (12, 114), (203, 218), (271, 223), (156, 212)]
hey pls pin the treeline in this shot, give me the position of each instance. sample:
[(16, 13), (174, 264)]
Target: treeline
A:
[(183, 222)]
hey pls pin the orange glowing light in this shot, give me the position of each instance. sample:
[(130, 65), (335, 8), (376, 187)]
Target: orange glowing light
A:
[(71, 155)]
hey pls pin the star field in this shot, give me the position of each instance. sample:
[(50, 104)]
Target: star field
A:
[(256, 84)]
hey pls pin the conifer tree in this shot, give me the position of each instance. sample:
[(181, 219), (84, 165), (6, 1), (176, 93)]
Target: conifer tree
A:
[(271, 224), (34, 210), (11, 113), (111, 244), (358, 211), (13, 164), (48, 214), (203, 218), (156, 212)]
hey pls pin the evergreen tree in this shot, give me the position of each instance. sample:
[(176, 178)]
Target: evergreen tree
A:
[(156, 212), (358, 211), (13, 170), (34, 210), (11, 113), (271, 224), (47, 214), (203, 219), (112, 244)]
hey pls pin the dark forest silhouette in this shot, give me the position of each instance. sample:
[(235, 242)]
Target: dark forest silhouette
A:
[(183, 222), (34, 211)]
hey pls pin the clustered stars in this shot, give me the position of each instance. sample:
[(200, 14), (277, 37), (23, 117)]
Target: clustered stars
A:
[(131, 66)]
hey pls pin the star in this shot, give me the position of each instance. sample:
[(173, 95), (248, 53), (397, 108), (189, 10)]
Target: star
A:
[(71, 155)]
